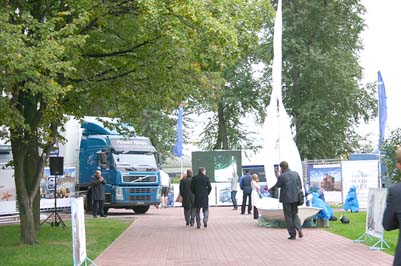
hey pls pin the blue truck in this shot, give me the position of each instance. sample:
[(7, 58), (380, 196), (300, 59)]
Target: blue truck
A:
[(130, 166)]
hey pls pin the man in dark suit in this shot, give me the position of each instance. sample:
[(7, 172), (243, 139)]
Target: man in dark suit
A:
[(97, 187), (245, 185), (201, 187), (392, 213), (290, 184)]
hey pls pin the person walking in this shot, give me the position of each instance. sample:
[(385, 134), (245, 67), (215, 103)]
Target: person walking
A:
[(187, 198), (245, 185), (201, 187), (290, 184), (392, 212), (165, 183), (255, 195), (234, 185), (97, 194)]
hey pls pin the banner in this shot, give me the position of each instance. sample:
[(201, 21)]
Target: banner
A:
[(381, 91), (78, 230), (65, 188), (328, 178), (177, 150), (363, 174), (374, 215), (8, 194)]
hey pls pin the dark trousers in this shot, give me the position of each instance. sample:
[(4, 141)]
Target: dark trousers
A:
[(234, 198), (291, 218), (244, 196), (205, 215), (95, 204), (189, 214)]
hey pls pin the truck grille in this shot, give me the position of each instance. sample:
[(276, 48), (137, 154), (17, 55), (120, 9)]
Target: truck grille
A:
[(139, 179), (140, 190), (140, 197)]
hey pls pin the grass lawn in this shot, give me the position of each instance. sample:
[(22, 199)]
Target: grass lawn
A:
[(55, 246), (356, 228)]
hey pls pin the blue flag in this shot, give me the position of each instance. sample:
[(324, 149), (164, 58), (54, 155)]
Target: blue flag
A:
[(177, 150), (381, 90)]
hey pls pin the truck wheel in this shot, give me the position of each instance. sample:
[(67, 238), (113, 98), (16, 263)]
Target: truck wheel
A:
[(141, 209)]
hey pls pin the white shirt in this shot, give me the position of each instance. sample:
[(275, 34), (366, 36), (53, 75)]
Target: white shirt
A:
[(164, 179)]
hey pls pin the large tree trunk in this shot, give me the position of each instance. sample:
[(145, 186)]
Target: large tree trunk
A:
[(28, 169), (222, 138), (25, 202)]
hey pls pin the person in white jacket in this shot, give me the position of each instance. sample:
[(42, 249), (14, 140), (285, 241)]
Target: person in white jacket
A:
[(255, 195)]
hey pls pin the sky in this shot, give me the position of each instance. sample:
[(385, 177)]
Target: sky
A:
[(382, 51)]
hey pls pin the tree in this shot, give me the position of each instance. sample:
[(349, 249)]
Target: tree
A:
[(36, 57), (240, 96), (235, 92), (115, 58), (321, 75), (388, 151)]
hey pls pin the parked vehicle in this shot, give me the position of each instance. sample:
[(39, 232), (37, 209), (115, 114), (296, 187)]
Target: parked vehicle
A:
[(130, 165)]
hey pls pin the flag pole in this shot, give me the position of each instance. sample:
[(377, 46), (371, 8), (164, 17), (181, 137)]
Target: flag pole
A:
[(382, 111), (178, 147)]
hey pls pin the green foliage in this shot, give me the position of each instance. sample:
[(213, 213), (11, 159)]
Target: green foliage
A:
[(321, 74), (235, 92), (388, 150), (106, 58), (55, 243)]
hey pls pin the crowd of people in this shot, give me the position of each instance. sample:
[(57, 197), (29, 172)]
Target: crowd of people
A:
[(195, 190)]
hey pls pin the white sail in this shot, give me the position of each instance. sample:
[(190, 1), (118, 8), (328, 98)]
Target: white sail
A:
[(279, 144)]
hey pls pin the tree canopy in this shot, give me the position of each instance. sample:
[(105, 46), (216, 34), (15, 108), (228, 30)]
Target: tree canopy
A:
[(112, 58), (321, 75)]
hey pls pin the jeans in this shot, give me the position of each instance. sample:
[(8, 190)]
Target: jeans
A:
[(205, 215), (189, 214), (234, 199)]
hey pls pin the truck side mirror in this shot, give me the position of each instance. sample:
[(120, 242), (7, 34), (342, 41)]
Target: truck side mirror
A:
[(103, 162)]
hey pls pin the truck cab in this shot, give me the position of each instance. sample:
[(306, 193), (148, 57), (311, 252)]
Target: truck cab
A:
[(129, 165)]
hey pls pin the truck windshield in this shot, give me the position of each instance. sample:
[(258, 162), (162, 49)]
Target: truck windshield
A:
[(133, 162)]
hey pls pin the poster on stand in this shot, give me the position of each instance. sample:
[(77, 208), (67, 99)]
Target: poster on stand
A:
[(78, 231), (363, 174), (374, 214)]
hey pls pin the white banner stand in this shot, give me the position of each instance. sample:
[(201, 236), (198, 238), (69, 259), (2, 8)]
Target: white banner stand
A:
[(374, 215), (78, 233)]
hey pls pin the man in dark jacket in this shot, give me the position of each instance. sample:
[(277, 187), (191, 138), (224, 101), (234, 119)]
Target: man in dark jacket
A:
[(245, 185), (187, 198), (97, 188), (392, 213), (201, 187), (290, 184)]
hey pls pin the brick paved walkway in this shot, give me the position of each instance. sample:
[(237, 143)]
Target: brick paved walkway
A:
[(161, 238)]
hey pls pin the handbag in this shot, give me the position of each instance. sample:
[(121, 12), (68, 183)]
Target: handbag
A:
[(179, 198), (301, 198)]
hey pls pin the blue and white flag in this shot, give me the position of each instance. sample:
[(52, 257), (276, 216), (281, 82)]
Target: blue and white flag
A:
[(381, 90), (177, 150)]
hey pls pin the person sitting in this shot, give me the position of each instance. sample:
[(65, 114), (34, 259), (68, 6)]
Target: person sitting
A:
[(351, 201)]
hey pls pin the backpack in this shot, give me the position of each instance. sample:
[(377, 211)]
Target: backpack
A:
[(344, 219)]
